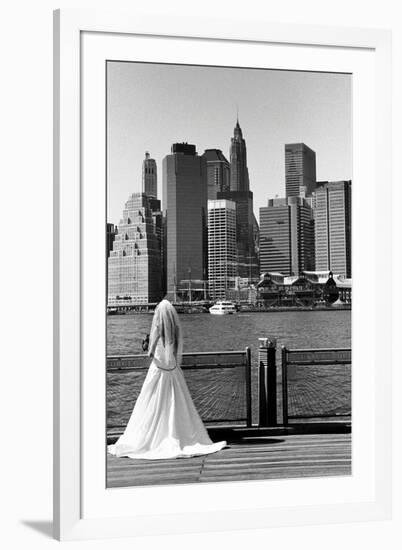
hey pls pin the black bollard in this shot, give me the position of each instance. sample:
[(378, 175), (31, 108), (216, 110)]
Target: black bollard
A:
[(267, 382)]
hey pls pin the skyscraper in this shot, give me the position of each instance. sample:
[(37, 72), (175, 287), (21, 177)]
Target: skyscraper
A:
[(300, 169), (150, 188), (218, 172), (332, 203), (185, 210), (149, 177), (239, 180), (286, 236), (222, 260), (240, 194), (134, 266)]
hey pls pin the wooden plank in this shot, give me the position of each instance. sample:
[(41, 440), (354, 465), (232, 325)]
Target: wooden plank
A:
[(290, 456), (289, 474), (127, 482)]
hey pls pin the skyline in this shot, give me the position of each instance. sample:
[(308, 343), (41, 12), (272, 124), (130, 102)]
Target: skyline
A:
[(199, 105)]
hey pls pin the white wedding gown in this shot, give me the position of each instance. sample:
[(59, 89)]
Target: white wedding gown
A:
[(164, 422)]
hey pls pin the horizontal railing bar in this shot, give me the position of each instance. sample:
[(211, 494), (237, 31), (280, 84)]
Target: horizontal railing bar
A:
[(326, 415), (186, 354), (183, 367), (312, 363), (312, 350)]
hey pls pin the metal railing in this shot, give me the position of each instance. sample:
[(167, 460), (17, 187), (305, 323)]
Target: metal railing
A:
[(310, 357), (218, 361), (226, 398)]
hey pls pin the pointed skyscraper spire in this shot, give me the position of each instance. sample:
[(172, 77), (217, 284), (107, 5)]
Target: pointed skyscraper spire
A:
[(238, 161), (238, 134)]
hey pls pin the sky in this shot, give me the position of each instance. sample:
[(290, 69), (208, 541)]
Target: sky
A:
[(152, 106)]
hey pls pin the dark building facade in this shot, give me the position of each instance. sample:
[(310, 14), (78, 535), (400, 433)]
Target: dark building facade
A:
[(240, 194), (185, 216), (111, 231), (149, 177), (218, 172), (300, 169), (239, 178), (286, 236)]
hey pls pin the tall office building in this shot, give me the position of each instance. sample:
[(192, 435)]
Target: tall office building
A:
[(134, 266), (300, 169), (218, 172), (286, 236), (158, 225), (240, 194), (185, 211), (149, 177), (332, 203), (222, 261), (239, 179), (150, 188)]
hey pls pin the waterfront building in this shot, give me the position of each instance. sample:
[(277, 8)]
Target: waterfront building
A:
[(149, 177), (332, 204), (111, 231), (247, 230), (134, 266), (300, 169), (286, 236), (222, 260), (185, 216), (310, 288)]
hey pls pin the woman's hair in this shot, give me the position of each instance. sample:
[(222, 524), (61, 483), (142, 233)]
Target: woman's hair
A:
[(166, 325)]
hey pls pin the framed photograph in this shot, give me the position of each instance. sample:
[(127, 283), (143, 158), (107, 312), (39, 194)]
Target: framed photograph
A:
[(221, 341)]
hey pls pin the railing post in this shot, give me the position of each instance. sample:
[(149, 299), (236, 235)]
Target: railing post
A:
[(267, 382), (248, 387), (284, 386)]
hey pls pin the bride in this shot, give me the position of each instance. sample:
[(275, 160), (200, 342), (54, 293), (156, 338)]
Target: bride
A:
[(164, 422)]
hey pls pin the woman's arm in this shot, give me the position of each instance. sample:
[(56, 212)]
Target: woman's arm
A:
[(153, 340)]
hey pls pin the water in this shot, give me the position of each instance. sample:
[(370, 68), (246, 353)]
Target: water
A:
[(204, 332), (221, 393)]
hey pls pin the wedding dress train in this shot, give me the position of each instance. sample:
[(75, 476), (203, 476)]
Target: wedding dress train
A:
[(164, 422)]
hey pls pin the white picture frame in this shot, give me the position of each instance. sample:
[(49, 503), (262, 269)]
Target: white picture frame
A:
[(81, 510)]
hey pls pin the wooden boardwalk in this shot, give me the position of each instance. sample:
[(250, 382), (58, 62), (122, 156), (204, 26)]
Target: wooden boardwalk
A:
[(254, 457)]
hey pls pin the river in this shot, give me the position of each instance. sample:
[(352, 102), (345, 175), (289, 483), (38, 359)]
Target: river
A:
[(204, 332)]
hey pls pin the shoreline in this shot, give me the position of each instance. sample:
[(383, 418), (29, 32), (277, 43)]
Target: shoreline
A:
[(196, 310)]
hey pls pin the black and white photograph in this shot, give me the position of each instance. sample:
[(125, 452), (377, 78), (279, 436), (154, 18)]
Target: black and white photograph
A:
[(201, 296), (229, 274)]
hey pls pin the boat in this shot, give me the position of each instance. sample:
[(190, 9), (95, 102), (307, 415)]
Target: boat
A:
[(222, 307)]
